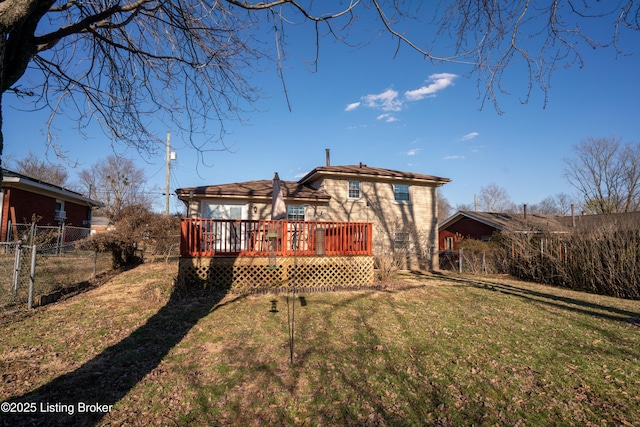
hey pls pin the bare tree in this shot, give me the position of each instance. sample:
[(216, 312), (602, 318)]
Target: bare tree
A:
[(123, 63), (493, 198), (606, 172), (34, 167), (559, 204), (116, 182), (444, 207)]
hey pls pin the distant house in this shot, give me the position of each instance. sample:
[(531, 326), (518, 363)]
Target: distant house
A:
[(401, 205), (617, 220), (482, 226), (101, 224), (23, 197)]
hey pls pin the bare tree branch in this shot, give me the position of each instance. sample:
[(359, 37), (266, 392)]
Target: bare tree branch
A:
[(607, 174), (189, 63)]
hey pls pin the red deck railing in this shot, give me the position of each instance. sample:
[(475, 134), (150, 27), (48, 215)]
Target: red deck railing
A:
[(215, 237)]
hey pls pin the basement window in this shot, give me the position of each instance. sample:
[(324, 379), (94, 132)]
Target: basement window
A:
[(401, 240)]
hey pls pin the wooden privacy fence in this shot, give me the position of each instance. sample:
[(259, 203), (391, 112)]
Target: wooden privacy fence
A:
[(202, 237)]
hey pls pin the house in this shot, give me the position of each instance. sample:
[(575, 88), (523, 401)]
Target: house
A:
[(101, 224), (482, 225), (615, 220), (23, 197), (400, 205)]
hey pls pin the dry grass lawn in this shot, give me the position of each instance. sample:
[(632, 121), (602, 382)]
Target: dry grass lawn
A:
[(429, 350)]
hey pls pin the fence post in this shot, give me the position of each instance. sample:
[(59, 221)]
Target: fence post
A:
[(484, 263), (32, 233), (16, 268), (60, 239), (95, 262), (460, 260), (32, 275)]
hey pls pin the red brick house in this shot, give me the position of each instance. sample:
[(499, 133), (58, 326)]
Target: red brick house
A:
[(22, 197), (482, 225)]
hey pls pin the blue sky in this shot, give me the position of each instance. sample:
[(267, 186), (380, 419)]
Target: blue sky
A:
[(400, 113)]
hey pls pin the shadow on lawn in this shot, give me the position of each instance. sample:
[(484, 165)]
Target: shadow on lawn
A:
[(566, 303), (109, 376)]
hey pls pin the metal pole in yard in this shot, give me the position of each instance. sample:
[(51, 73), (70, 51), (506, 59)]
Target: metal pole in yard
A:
[(168, 174), (32, 275), (293, 288), (32, 234), (460, 260), (95, 263)]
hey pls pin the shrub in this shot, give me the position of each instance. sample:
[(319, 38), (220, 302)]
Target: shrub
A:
[(133, 226)]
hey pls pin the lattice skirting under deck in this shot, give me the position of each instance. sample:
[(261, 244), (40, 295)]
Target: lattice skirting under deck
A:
[(251, 273)]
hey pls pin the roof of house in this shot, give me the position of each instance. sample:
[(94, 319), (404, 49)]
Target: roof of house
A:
[(261, 189), (363, 171), (617, 219), (15, 179), (506, 221), (300, 190)]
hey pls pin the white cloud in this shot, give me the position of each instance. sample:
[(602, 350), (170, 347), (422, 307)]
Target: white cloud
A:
[(387, 118), (352, 106), (469, 136), (391, 101), (412, 152), (437, 82), (385, 101), (454, 157)]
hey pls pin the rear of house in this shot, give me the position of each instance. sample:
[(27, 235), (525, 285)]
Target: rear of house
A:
[(402, 206)]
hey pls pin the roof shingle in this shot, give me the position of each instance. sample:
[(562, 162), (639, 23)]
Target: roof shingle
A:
[(362, 170), (260, 189)]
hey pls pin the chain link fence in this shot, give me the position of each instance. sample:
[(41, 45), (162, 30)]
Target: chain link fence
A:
[(28, 278), (48, 239), (64, 261), (15, 273), (475, 257)]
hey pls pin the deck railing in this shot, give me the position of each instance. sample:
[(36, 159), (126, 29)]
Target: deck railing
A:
[(202, 237)]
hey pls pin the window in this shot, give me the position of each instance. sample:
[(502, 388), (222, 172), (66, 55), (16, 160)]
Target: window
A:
[(219, 211), (354, 189), (448, 243), (295, 213), (401, 193), (401, 240), (60, 214)]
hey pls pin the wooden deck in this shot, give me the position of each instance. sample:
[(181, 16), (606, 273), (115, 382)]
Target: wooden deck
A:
[(202, 237)]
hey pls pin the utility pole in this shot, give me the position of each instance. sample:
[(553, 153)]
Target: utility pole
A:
[(168, 175)]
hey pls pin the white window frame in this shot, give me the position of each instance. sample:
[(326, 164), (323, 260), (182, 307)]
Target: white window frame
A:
[(396, 193), (296, 212), (353, 190), (448, 243), (224, 209), (59, 213)]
